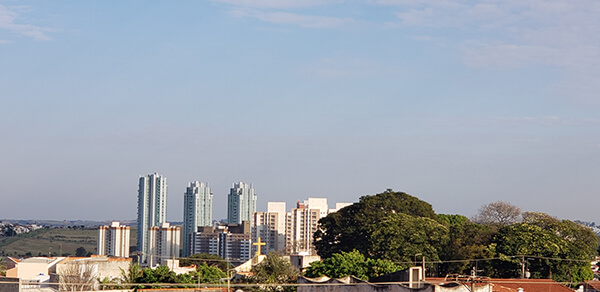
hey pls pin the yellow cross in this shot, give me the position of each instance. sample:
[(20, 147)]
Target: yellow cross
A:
[(258, 245)]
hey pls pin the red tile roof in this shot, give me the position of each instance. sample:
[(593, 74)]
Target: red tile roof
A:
[(529, 285)]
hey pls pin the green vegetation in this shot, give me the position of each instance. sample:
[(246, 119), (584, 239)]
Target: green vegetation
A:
[(53, 241), (162, 274), (353, 226), (44, 242), (350, 263), (272, 271), (396, 226), (210, 260), (2, 267)]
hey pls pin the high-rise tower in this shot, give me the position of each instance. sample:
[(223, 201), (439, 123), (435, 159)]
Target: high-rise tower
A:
[(152, 209), (241, 203), (197, 211)]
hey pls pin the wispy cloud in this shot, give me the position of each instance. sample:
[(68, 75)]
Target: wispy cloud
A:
[(342, 68), (8, 21), (547, 121), (278, 4), (281, 12), (301, 20), (513, 33)]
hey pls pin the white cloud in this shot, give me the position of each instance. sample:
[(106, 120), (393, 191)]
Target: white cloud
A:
[(8, 21), (4, 42), (301, 20)]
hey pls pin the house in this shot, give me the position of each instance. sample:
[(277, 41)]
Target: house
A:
[(353, 284), (591, 286), (87, 271), (528, 285), (32, 269)]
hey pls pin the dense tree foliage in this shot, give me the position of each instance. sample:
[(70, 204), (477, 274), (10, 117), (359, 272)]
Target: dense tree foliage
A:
[(353, 226), (209, 274), (398, 237), (210, 260), (274, 270), (396, 226), (350, 263), (560, 250), (467, 240)]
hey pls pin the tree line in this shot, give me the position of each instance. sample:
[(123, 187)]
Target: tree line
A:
[(500, 241)]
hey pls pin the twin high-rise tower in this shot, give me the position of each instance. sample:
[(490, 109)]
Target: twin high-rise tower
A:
[(241, 203), (197, 209)]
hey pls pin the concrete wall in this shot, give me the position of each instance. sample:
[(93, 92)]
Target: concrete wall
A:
[(28, 271), (8, 284)]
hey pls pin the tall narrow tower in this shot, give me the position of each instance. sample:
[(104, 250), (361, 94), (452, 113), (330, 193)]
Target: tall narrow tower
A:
[(152, 209), (197, 211), (241, 203)]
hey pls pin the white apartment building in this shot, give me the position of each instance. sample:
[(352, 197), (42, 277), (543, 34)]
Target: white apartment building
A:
[(163, 244), (113, 240), (270, 228), (241, 203), (152, 210), (197, 211)]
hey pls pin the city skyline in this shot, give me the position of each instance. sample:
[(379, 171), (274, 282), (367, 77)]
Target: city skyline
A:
[(457, 103)]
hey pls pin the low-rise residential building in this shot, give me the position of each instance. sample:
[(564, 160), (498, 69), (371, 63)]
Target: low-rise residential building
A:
[(35, 268)]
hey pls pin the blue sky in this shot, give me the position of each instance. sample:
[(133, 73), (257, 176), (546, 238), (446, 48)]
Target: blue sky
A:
[(459, 103)]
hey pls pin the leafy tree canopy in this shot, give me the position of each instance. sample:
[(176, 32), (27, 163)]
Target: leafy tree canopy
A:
[(208, 274), (275, 269), (353, 226), (467, 240), (210, 260), (350, 263), (561, 250)]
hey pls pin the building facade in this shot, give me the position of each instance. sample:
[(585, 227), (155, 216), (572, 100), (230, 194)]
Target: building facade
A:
[(113, 240), (270, 228), (301, 224), (197, 210), (241, 203), (232, 242), (152, 210), (163, 244)]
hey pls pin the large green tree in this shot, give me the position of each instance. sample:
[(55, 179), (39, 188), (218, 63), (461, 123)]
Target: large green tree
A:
[(467, 240), (552, 248), (350, 264), (398, 237), (358, 226)]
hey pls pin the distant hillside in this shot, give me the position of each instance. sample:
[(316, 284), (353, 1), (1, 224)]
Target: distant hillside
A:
[(53, 241), (66, 223)]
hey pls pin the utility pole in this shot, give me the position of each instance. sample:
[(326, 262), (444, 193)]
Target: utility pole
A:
[(522, 267)]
